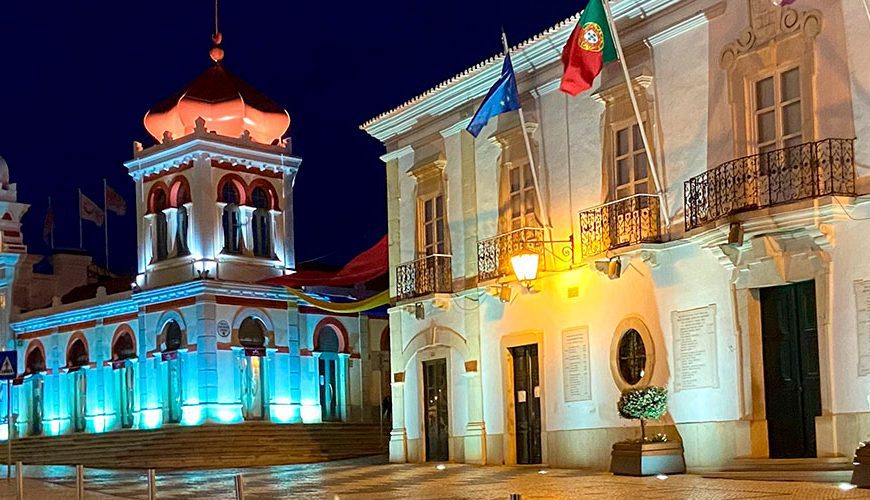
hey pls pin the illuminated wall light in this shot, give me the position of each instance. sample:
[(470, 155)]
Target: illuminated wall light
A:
[(283, 413), (310, 413), (847, 486), (192, 415), (151, 418), (54, 427), (228, 416)]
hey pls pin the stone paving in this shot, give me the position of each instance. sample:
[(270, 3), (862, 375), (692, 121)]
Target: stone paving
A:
[(374, 479)]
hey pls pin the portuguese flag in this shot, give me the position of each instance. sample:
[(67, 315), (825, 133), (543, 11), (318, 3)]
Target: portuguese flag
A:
[(588, 49)]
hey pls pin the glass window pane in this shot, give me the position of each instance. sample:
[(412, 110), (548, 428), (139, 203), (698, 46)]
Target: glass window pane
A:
[(427, 210), (791, 118), (793, 141), (623, 193), (641, 188), (764, 93), (791, 84), (440, 232), (622, 142), (529, 181), (439, 206), (623, 171), (766, 127), (515, 179), (428, 236), (640, 169), (516, 205), (637, 139), (529, 205)]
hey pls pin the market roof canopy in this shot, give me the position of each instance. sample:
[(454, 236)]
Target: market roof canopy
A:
[(366, 266)]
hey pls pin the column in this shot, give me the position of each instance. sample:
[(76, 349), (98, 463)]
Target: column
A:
[(171, 215), (398, 434), (475, 431), (149, 247), (344, 386)]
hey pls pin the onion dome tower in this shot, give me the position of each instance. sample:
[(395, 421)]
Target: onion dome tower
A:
[(214, 196), (228, 105)]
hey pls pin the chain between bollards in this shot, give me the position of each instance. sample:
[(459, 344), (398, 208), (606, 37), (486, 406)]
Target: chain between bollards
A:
[(152, 485), (80, 482), (240, 487)]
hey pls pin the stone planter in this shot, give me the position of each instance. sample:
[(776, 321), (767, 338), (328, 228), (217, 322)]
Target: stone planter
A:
[(861, 467), (647, 459)]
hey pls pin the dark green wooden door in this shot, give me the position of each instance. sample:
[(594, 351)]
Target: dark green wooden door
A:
[(792, 389), (435, 392), (527, 403)]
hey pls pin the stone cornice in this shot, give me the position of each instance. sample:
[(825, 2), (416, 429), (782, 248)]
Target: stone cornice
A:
[(395, 155), (456, 127)]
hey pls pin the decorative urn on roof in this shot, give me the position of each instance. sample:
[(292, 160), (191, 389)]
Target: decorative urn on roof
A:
[(229, 106)]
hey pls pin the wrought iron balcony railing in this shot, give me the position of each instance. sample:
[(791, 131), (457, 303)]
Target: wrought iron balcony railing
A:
[(424, 276), (627, 221), (494, 254), (808, 170)]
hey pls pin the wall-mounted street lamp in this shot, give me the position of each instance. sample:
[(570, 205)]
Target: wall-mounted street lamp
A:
[(525, 265), (526, 262)]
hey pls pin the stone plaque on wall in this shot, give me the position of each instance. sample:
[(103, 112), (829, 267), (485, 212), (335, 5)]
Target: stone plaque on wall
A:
[(575, 365), (862, 309), (696, 365)]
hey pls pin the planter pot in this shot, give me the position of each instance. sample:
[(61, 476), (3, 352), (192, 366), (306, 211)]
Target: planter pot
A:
[(647, 459), (861, 467)]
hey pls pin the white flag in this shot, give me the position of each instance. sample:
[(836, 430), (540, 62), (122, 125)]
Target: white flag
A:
[(88, 210)]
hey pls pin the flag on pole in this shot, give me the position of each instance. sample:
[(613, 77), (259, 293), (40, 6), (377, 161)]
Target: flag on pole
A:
[(503, 97), (88, 210), (588, 49), (48, 226), (115, 202)]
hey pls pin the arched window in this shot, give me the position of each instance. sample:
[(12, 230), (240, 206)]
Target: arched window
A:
[(160, 203), (182, 219), (78, 354), (35, 362), (171, 336), (231, 218), (124, 347), (327, 340), (262, 223), (252, 332)]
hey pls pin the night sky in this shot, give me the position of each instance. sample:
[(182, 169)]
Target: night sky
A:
[(76, 79)]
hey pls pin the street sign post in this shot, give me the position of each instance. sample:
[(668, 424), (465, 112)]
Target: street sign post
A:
[(8, 372)]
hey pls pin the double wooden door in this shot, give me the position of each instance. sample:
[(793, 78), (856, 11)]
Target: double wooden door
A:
[(527, 403), (436, 418), (792, 388)]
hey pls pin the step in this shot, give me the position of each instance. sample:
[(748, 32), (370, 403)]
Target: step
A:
[(827, 476), (749, 464)]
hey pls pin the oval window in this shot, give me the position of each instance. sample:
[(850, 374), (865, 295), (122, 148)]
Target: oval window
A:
[(632, 357)]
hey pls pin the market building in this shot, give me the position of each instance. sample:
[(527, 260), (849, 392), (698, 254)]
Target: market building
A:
[(197, 337), (743, 289)]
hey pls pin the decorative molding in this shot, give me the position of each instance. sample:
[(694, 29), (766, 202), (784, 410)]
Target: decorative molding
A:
[(768, 22), (395, 155), (546, 88), (456, 127)]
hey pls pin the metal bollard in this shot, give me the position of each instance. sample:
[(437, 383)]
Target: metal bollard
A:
[(80, 482), (240, 487), (19, 479), (152, 485), (515, 496)]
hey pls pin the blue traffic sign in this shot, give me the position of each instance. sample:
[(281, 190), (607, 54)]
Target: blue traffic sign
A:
[(8, 365)]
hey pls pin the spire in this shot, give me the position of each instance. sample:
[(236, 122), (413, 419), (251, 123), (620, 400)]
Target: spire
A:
[(216, 53)]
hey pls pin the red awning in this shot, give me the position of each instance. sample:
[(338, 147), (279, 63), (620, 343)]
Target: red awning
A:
[(366, 266)]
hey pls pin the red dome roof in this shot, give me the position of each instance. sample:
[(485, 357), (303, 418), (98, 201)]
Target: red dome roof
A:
[(228, 105)]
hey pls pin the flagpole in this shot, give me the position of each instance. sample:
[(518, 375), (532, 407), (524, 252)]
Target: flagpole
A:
[(81, 237), (51, 234), (633, 97), (544, 213), (106, 223)]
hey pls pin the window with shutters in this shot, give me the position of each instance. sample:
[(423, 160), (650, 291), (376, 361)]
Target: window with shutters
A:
[(522, 197), (433, 225), (631, 174), (777, 111)]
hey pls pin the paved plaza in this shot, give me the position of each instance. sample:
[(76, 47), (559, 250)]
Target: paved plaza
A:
[(375, 479)]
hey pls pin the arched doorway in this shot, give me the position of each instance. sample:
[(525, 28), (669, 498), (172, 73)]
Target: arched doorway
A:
[(386, 402), (252, 337), (34, 389), (172, 342), (77, 359), (123, 352), (327, 346)]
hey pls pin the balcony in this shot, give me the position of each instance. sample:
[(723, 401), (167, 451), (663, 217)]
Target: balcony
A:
[(494, 254), (425, 276), (805, 171), (624, 222)]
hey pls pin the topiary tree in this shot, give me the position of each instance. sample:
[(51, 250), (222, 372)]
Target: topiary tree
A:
[(649, 403)]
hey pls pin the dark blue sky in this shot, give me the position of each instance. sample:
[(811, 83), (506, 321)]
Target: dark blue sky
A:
[(76, 78)]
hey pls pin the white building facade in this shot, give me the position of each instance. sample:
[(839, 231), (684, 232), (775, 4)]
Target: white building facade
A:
[(196, 338), (743, 289)]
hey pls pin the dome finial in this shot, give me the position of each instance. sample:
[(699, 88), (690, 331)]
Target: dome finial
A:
[(216, 53)]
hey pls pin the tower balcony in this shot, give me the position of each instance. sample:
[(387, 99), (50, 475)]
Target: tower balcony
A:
[(628, 221), (805, 171), (425, 276)]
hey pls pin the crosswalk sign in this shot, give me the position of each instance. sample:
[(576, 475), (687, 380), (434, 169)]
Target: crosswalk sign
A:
[(8, 365)]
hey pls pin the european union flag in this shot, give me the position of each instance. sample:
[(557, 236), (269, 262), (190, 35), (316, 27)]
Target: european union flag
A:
[(501, 98)]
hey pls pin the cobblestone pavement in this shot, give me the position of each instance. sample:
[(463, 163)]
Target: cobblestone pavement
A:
[(374, 479)]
